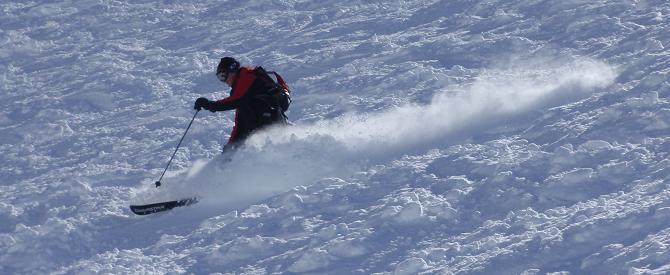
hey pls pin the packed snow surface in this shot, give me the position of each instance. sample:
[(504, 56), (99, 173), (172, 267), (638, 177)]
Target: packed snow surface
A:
[(429, 137)]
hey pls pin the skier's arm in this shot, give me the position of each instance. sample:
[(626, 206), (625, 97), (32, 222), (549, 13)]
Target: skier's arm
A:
[(238, 93)]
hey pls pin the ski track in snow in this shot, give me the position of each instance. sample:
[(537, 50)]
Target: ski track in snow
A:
[(431, 137)]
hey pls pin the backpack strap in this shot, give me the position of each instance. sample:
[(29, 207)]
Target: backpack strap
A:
[(281, 82)]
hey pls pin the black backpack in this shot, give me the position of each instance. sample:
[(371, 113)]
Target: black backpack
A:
[(275, 100)]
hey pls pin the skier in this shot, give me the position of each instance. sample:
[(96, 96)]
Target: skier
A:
[(258, 99)]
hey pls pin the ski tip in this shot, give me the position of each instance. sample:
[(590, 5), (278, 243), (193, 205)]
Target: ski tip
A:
[(147, 209)]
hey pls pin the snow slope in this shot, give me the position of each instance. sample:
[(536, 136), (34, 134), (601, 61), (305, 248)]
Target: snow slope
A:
[(430, 137)]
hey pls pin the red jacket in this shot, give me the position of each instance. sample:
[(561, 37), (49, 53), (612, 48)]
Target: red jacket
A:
[(245, 86)]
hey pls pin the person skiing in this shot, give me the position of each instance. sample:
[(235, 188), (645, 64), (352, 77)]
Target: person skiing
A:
[(258, 99)]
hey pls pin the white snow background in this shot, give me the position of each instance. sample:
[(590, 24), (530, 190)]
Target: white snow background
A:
[(429, 137)]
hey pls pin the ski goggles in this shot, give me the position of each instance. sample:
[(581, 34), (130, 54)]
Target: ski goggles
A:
[(222, 76)]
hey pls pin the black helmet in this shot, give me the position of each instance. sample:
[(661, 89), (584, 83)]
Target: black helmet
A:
[(228, 65)]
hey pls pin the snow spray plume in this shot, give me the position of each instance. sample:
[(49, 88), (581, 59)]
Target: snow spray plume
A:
[(278, 159), (255, 173), (495, 94)]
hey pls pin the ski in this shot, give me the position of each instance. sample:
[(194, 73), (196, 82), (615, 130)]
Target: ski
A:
[(146, 209)]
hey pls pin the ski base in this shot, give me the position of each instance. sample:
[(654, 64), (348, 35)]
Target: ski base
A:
[(147, 209)]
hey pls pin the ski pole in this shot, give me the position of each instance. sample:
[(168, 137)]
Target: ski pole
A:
[(158, 183)]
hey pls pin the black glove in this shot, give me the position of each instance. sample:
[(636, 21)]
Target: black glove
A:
[(201, 103)]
